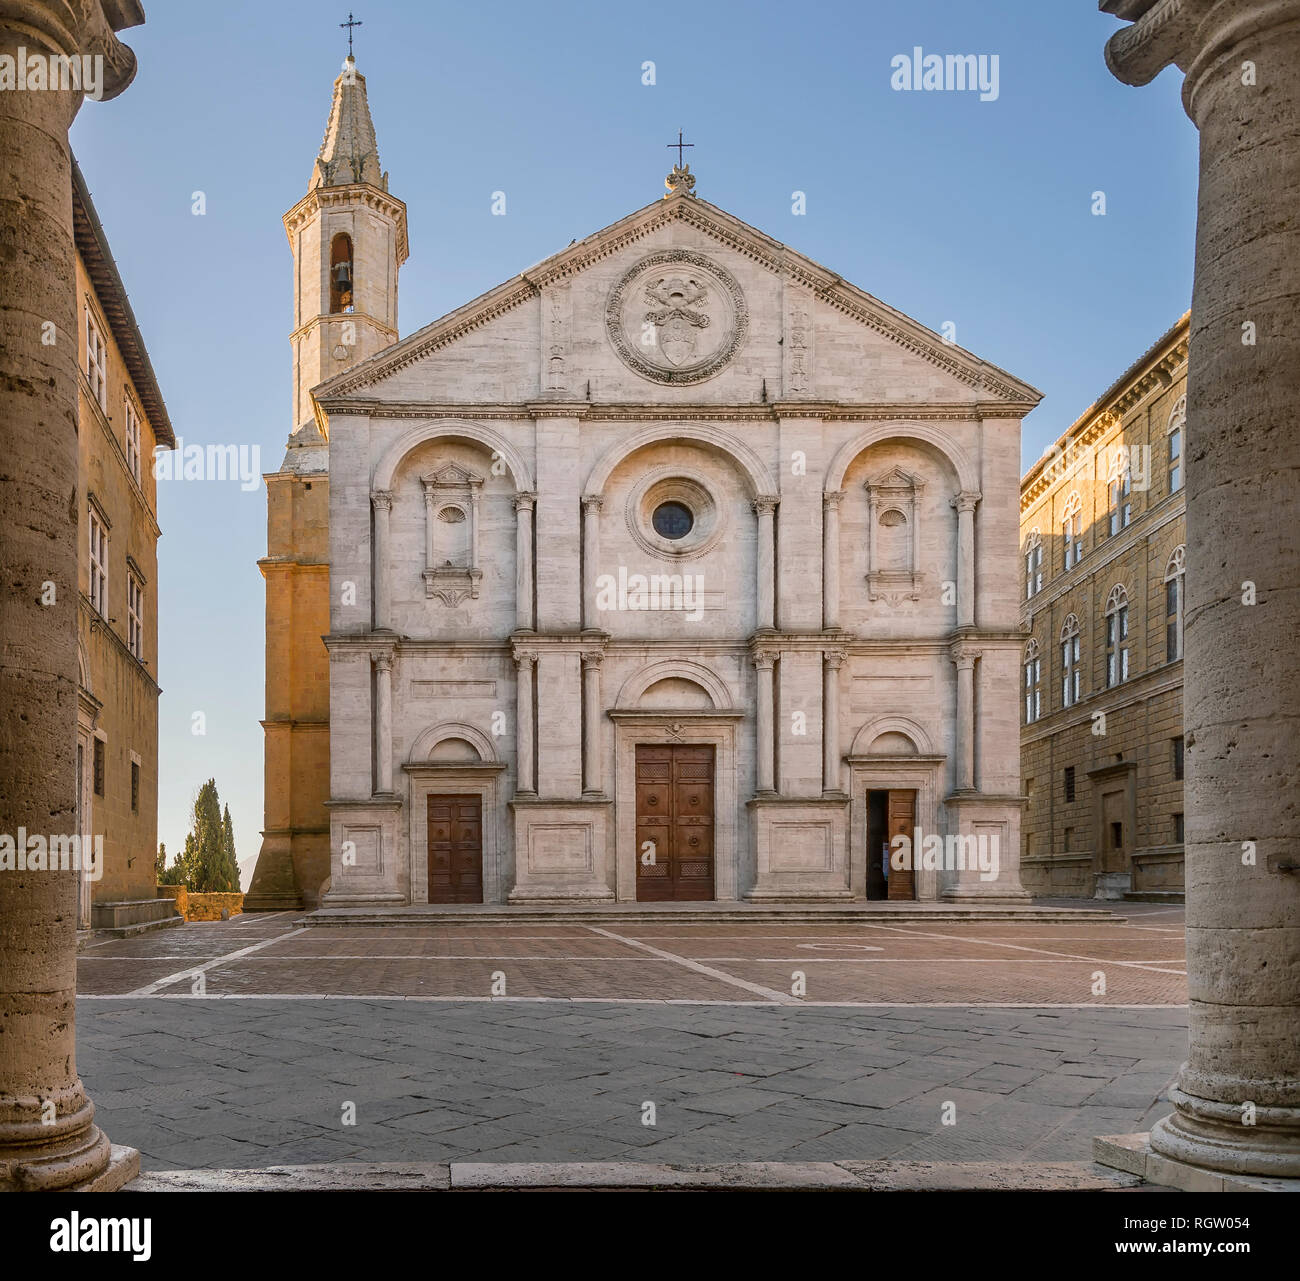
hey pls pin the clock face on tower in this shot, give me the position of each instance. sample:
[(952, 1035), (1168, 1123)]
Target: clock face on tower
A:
[(676, 317)]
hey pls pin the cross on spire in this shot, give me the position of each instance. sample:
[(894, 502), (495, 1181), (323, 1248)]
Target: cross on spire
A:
[(350, 24), (679, 144)]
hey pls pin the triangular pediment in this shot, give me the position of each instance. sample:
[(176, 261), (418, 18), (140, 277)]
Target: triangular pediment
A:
[(982, 380)]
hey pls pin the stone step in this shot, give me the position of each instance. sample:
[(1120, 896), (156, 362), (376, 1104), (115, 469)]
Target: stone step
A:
[(710, 913)]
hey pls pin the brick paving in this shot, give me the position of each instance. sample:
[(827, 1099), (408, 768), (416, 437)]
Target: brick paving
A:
[(1004, 1020)]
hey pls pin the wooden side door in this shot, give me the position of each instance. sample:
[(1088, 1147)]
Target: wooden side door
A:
[(902, 821), (455, 849)]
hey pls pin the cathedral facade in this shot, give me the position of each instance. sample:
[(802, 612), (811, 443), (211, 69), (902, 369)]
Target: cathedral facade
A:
[(674, 568)]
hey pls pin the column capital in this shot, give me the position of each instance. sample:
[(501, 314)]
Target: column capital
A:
[(831, 499), (592, 502), (381, 499), (966, 500), (1163, 32), (383, 660), (524, 500), (592, 658), (525, 658), (835, 658), (763, 662), (964, 656), (766, 504)]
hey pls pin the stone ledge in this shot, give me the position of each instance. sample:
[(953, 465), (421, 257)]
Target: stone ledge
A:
[(1132, 1154), (862, 1176)]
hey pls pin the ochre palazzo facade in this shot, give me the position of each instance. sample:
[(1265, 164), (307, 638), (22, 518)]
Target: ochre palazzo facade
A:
[(673, 569)]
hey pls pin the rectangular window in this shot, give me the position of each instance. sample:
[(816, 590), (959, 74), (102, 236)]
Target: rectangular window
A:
[(1034, 570), (1175, 460), (1069, 782), (1176, 750), (1070, 671), (96, 362), (1071, 536), (1033, 691), (135, 616), (1174, 619), (1069, 839), (1178, 829), (1117, 646), (98, 585), (132, 439), (99, 767), (135, 787), (1121, 503), (1117, 836)]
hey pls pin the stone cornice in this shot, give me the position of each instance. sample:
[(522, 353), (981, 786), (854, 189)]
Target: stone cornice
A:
[(353, 194), (635, 411), (725, 230)]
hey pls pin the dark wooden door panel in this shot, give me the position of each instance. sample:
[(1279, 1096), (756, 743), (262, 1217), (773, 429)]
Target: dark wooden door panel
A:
[(674, 822), (455, 849), (902, 821)]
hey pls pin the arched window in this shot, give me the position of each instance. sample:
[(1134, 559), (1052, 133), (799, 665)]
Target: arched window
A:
[(341, 282), (1072, 530), (1033, 563), (1177, 423), (1174, 583), (1070, 667), (1120, 490), (1033, 687), (1116, 636)]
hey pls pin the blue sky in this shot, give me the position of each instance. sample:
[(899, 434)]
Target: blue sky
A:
[(946, 207)]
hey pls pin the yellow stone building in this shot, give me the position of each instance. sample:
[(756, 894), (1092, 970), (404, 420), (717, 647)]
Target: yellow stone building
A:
[(121, 420), (1103, 558)]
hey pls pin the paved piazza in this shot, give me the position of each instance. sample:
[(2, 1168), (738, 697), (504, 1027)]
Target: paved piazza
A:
[(1041, 1034)]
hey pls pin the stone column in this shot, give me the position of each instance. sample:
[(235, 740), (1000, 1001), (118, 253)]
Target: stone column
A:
[(591, 505), (832, 661), (38, 641), (1241, 669), (591, 709), (430, 551), (383, 723), (765, 509), (524, 772), (831, 559), (765, 744), (524, 561), (382, 502), (964, 659), (965, 504)]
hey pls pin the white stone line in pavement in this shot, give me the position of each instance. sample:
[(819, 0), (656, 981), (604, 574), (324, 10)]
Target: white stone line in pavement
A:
[(151, 989), (781, 998), (1152, 967), (501, 958), (633, 1000)]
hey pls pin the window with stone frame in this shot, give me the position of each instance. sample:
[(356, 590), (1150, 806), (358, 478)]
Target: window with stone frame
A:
[(1117, 636), (1070, 665), (131, 435), (98, 579), (1176, 757), (1069, 783), (135, 615), (1176, 428), (1175, 580), (1072, 530), (1033, 683), (96, 362)]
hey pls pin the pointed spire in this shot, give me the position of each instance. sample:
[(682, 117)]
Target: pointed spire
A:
[(349, 153)]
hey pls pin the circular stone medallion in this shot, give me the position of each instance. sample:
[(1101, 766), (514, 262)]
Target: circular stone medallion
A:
[(677, 317)]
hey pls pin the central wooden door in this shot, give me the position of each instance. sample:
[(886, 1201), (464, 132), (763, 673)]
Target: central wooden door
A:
[(455, 849), (674, 823), (902, 822)]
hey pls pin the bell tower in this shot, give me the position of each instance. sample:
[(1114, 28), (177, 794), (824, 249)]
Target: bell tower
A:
[(348, 239)]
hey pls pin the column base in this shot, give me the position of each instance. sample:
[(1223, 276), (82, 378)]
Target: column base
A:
[(88, 1163), (1133, 1154), (1207, 1133)]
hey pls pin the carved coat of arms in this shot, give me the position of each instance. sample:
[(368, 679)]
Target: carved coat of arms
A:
[(675, 312)]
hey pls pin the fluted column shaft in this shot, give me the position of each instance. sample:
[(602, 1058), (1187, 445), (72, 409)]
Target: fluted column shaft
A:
[(764, 724), (524, 561)]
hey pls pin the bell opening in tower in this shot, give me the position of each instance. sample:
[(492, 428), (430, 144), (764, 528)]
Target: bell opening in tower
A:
[(341, 273)]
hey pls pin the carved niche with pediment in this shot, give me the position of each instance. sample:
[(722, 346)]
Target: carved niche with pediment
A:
[(451, 511), (894, 537)]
